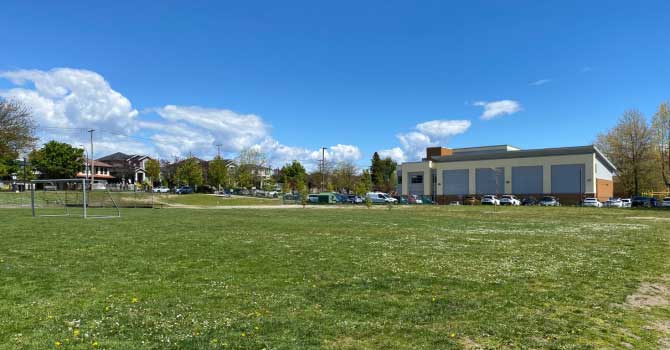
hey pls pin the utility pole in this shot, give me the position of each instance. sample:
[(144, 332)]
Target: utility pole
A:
[(323, 167), (92, 165), (218, 150)]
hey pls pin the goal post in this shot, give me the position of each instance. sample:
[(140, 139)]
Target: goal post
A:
[(65, 194)]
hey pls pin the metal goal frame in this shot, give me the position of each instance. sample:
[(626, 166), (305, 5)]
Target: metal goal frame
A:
[(84, 190)]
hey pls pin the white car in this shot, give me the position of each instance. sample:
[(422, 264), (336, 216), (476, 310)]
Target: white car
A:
[(160, 189), (625, 202), (490, 199), (380, 197), (592, 202), (417, 199), (666, 202), (509, 199), (614, 203)]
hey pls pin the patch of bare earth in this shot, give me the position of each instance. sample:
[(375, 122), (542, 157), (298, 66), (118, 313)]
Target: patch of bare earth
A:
[(469, 344), (649, 295)]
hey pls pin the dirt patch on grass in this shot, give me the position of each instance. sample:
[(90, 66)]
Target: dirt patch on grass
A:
[(649, 295), (469, 344), (653, 218), (661, 326)]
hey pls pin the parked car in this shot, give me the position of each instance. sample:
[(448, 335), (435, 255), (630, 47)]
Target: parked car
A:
[(470, 200), (380, 197), (592, 202), (549, 201), (509, 199), (613, 202), (160, 189), (454, 203), (641, 202), (183, 190), (666, 202), (414, 199), (313, 198), (529, 201), (341, 198), (490, 199), (355, 199), (625, 202)]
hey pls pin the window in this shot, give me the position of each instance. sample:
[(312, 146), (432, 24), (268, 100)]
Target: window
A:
[(417, 179), (399, 179)]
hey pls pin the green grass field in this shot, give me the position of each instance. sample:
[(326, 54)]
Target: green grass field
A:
[(129, 199), (406, 278)]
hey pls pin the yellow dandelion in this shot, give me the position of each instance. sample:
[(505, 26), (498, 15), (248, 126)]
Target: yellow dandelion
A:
[(256, 328), (433, 299), (244, 334), (76, 332), (452, 335), (57, 343), (134, 300), (95, 344), (107, 308), (215, 340)]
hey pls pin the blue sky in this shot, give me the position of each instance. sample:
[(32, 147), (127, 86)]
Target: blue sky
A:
[(356, 77)]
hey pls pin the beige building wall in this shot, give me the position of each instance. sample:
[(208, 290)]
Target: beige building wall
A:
[(546, 162)]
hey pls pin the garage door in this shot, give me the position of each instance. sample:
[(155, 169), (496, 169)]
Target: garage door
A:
[(527, 179), (490, 181), (455, 182), (567, 178)]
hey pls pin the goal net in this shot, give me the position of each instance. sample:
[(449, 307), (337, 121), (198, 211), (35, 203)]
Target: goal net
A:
[(71, 197)]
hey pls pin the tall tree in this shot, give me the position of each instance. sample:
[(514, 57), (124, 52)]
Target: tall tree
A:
[(364, 184), (252, 161), (57, 160), (218, 172), (189, 172), (629, 146), (344, 176), (661, 132), (16, 133), (376, 170), (153, 168), (292, 174), (382, 172)]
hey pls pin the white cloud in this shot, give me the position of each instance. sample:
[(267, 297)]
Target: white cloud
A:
[(395, 153), (74, 100), (281, 154), (444, 128), (498, 108), (71, 98), (413, 144), (540, 82)]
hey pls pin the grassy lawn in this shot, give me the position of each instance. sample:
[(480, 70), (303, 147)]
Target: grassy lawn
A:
[(411, 278), (211, 200), (128, 199)]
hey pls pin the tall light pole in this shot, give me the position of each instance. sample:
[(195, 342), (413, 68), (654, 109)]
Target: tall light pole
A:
[(92, 165), (323, 167)]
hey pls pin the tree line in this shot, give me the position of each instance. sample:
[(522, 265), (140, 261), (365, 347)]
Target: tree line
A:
[(640, 150)]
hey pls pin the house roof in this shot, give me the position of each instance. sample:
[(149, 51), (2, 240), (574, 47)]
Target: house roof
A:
[(114, 156), (541, 152)]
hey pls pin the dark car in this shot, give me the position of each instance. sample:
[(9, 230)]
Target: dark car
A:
[(642, 202), (183, 190), (470, 200), (529, 201)]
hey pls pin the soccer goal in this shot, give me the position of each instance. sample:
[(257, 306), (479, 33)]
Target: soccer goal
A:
[(71, 197)]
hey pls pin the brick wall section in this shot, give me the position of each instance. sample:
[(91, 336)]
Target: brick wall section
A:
[(604, 189)]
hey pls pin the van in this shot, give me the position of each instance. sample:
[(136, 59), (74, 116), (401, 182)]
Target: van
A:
[(380, 197)]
